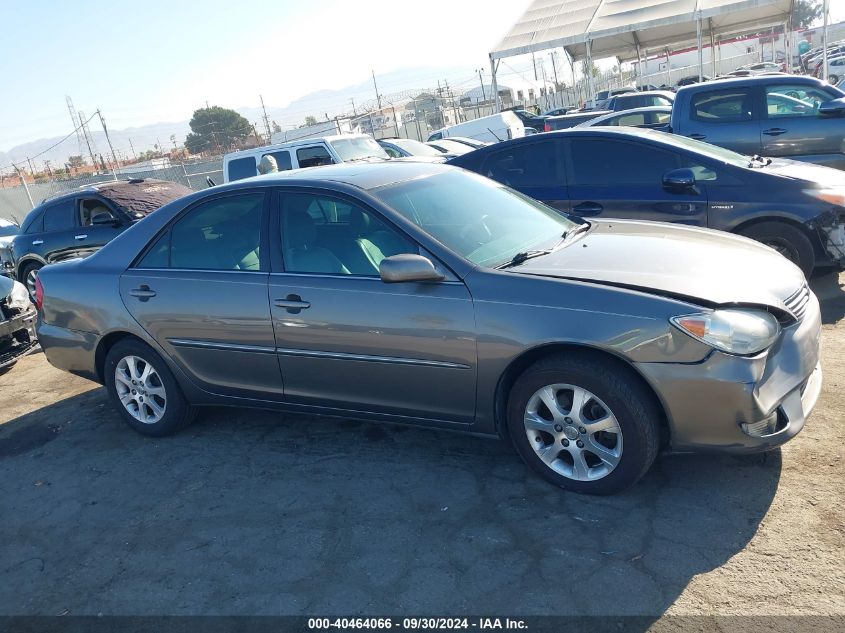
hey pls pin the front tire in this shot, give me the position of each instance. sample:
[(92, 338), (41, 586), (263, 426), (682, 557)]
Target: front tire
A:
[(144, 391), (583, 423), (29, 273), (787, 240)]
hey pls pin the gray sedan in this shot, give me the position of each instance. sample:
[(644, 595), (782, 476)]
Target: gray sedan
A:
[(424, 294)]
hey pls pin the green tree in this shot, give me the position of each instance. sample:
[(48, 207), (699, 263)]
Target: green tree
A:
[(310, 120), (805, 13), (216, 129), (75, 161)]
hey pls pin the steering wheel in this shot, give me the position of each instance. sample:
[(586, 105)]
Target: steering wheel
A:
[(477, 233)]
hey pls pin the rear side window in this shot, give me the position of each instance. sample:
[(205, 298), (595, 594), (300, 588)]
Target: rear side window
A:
[(785, 100), (600, 162), (722, 106), (282, 159), (60, 216), (313, 156), (525, 165), (221, 234), (34, 221), (241, 168)]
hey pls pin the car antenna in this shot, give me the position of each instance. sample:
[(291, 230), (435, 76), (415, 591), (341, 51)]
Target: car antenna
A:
[(494, 134)]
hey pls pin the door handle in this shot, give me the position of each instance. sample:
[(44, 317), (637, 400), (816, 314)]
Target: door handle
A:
[(292, 303), (79, 237), (37, 242), (698, 137), (143, 292), (588, 208), (775, 131)]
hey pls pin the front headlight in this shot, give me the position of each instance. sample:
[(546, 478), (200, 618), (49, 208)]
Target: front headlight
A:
[(732, 330), (19, 297), (832, 195)]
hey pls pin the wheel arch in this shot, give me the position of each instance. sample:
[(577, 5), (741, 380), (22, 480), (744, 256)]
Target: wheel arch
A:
[(105, 344), (783, 219), (522, 362), (24, 261)]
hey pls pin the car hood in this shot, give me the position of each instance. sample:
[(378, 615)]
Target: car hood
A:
[(818, 175), (700, 265)]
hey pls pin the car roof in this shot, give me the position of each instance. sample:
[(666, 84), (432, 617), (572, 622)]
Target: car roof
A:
[(264, 149), (750, 81), (103, 187), (662, 93), (360, 175)]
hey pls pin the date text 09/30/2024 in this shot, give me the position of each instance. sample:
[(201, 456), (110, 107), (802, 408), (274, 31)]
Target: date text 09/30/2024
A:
[(424, 623)]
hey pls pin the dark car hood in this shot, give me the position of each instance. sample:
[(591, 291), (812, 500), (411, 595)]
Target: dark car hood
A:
[(710, 267), (818, 175)]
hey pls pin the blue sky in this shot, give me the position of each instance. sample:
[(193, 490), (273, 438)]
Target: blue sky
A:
[(159, 60)]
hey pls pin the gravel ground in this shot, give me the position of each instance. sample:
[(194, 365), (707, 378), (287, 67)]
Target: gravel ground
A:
[(250, 512)]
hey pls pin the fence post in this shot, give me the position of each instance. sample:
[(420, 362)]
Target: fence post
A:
[(23, 180)]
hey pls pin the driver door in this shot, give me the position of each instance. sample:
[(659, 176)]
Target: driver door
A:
[(91, 237)]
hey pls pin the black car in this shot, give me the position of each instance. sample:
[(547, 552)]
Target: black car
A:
[(529, 119), (796, 208), (78, 223)]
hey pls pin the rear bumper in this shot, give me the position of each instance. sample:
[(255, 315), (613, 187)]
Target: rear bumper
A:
[(17, 337), (69, 350), (743, 405)]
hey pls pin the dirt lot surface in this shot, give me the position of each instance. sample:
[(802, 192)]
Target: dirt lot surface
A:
[(252, 512)]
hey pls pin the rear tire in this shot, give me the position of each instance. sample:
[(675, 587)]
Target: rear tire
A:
[(29, 273), (600, 446), (144, 391), (789, 241)]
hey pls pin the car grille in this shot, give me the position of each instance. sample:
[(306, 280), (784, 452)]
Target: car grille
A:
[(797, 302)]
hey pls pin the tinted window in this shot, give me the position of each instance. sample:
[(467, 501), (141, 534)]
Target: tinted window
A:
[(59, 217), (34, 221), (241, 168), (525, 165), (222, 234), (784, 100), (158, 255), (282, 159), (321, 234), (634, 119), (91, 208), (313, 156), (723, 106), (609, 162)]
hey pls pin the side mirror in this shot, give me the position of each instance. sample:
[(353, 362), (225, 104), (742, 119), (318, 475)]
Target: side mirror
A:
[(105, 219), (399, 268), (833, 108), (679, 179)]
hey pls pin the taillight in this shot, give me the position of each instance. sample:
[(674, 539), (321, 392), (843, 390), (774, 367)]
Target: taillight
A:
[(39, 293), (547, 127)]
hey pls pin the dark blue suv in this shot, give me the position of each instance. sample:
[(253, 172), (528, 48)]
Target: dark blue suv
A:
[(794, 207)]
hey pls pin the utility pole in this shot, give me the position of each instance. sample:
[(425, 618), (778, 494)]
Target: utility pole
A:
[(108, 140), (47, 167), (31, 170), (266, 119), (354, 111), (132, 147), (26, 188), (553, 54), (375, 85), (87, 140), (452, 99), (481, 81)]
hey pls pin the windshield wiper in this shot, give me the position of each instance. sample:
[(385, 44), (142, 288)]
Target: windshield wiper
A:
[(522, 256), (585, 226), (763, 162)]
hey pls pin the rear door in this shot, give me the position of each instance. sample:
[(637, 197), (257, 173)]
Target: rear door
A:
[(623, 178), (534, 168), (792, 127), (91, 237), (728, 117), (200, 290), (59, 237)]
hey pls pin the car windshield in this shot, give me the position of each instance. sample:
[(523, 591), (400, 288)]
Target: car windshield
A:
[(357, 148), (711, 151), (479, 219), (414, 147)]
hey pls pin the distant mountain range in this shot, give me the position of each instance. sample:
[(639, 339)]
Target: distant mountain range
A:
[(318, 104)]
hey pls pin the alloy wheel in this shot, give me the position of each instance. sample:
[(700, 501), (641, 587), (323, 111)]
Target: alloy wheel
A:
[(573, 432), (31, 277), (140, 389)]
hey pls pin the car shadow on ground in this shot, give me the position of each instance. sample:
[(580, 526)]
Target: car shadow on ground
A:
[(830, 290), (252, 512)]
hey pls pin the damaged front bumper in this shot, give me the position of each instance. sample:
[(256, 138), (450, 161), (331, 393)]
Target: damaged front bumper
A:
[(17, 336), (741, 404)]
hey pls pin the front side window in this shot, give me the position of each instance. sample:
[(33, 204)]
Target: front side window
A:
[(321, 234), (59, 217), (313, 156), (476, 218), (90, 208), (602, 162), (635, 119), (784, 100), (525, 165), (282, 158), (241, 168), (722, 106), (221, 234)]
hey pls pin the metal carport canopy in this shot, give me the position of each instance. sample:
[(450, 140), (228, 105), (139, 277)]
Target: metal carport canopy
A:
[(626, 28)]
